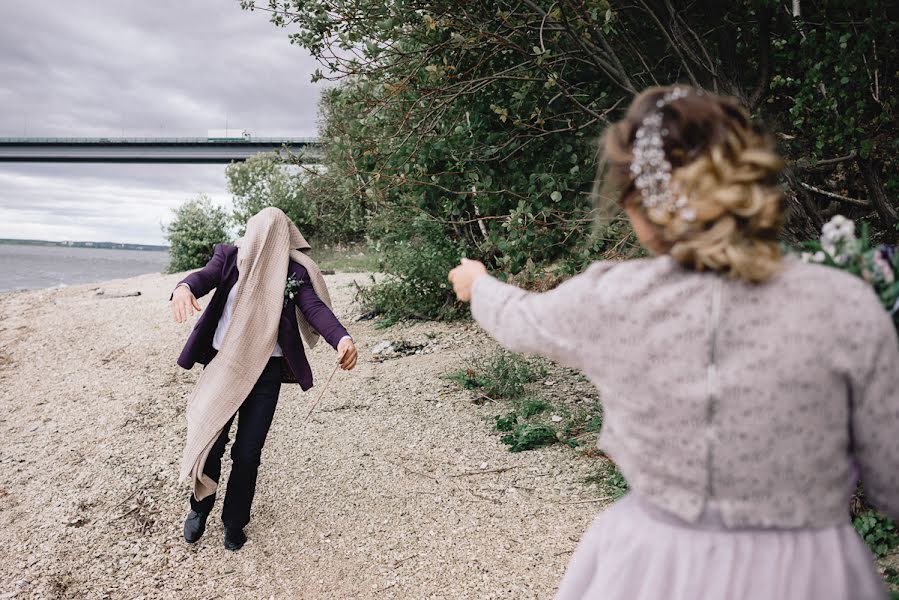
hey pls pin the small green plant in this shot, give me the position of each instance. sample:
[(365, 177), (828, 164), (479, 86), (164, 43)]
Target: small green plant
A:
[(580, 421), (617, 484), (532, 406), (521, 434), (506, 422), (503, 376), (467, 378), (506, 375), (594, 423), (891, 575), (527, 436), (610, 479), (879, 532)]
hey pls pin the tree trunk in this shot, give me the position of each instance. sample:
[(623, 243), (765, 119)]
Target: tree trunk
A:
[(803, 217), (871, 172)]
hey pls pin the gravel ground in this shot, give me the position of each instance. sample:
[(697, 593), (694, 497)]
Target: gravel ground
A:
[(395, 488)]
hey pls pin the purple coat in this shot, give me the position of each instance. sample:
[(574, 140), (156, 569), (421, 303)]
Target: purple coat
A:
[(221, 274)]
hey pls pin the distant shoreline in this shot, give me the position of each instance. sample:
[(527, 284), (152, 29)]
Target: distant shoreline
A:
[(101, 245)]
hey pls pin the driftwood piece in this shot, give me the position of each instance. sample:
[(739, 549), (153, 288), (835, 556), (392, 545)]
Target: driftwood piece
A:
[(119, 295)]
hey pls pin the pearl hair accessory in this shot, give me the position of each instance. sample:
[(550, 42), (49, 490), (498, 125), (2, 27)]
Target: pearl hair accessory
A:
[(652, 171)]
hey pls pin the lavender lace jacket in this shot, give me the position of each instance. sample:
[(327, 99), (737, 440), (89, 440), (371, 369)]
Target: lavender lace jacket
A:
[(758, 399)]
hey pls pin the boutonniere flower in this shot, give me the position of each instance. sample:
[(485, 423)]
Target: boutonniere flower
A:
[(291, 288)]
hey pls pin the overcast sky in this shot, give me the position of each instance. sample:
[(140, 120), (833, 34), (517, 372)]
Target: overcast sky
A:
[(163, 68)]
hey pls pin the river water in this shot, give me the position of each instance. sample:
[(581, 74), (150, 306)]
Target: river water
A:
[(24, 267)]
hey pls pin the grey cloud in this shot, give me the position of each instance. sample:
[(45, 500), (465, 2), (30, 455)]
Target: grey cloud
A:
[(162, 68), (185, 66), (177, 177), (87, 209)]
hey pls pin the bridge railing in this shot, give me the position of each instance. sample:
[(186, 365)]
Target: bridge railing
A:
[(156, 140)]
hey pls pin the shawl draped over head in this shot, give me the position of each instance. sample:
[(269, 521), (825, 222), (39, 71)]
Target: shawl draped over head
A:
[(263, 256)]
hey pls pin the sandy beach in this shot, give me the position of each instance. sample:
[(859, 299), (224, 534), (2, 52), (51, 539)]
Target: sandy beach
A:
[(395, 488)]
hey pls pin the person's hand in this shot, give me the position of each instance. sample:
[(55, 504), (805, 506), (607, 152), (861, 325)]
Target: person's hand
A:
[(464, 276), (184, 304), (346, 354)]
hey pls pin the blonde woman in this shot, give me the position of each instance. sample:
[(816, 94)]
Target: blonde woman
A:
[(743, 391)]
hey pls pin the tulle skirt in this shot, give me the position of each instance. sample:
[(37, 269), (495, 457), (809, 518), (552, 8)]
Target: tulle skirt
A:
[(635, 551)]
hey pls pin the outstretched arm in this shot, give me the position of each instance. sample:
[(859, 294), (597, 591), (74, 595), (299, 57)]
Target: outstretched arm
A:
[(551, 324), (323, 320), (209, 277), (196, 285)]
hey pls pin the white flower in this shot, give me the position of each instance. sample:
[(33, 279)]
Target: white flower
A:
[(836, 230), (838, 220), (838, 239)]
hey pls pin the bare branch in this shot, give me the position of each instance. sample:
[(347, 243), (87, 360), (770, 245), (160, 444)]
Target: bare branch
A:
[(764, 60), (671, 42), (839, 197)]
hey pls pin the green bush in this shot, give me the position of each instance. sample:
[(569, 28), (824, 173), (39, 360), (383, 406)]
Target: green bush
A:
[(264, 180), (417, 255), (313, 197), (192, 235)]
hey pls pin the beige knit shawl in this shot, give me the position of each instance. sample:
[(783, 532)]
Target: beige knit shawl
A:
[(270, 243)]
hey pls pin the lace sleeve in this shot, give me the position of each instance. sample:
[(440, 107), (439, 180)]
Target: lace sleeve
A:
[(551, 324)]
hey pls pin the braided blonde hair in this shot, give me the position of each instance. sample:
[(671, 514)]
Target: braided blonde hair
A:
[(724, 164)]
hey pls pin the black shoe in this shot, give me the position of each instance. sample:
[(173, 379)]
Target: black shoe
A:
[(235, 538), (194, 526)]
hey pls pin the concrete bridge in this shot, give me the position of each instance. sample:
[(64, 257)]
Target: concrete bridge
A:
[(151, 150)]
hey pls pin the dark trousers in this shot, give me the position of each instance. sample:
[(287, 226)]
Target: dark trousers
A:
[(254, 417)]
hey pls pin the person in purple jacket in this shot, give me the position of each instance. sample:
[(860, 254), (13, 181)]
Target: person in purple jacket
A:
[(303, 311)]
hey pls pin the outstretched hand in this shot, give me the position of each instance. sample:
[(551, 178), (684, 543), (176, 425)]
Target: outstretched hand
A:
[(464, 276), (184, 304), (346, 354)]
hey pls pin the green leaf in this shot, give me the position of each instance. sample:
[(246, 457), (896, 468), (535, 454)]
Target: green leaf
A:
[(865, 148)]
